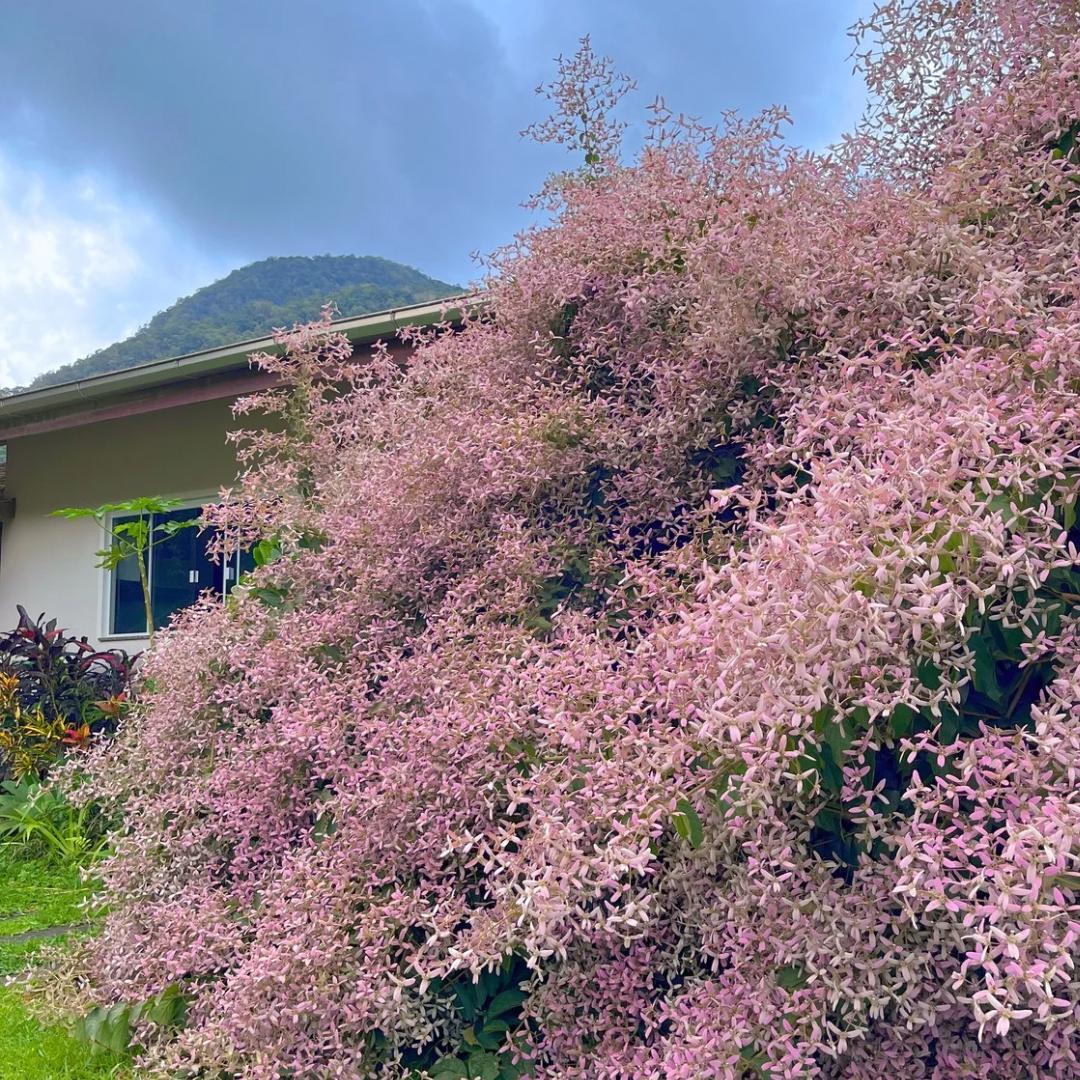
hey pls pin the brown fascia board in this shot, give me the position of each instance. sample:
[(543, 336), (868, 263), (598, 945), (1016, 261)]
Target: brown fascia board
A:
[(182, 380)]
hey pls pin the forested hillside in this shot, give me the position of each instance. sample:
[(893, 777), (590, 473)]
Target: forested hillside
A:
[(253, 300)]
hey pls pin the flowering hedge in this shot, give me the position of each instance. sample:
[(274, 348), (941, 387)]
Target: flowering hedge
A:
[(676, 672)]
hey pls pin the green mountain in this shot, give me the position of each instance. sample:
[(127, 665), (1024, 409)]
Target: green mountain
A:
[(253, 300)]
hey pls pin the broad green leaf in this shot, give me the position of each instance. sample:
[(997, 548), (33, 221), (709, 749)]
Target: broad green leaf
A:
[(949, 724), (467, 998), (832, 776), (901, 720), (753, 1057), (984, 676), (505, 1002), (483, 1065), (791, 977), (929, 674), (840, 732), (265, 552), (92, 1023), (688, 824), (489, 1040), (450, 1068)]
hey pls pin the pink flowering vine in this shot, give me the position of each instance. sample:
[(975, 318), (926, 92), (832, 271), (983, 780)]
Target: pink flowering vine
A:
[(673, 671)]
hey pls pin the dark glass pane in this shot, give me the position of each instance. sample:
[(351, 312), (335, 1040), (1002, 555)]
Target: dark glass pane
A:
[(180, 568), (128, 612)]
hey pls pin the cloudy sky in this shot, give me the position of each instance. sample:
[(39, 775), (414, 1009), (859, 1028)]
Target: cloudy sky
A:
[(149, 147)]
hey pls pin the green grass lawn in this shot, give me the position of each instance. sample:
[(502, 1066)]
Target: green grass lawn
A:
[(35, 894)]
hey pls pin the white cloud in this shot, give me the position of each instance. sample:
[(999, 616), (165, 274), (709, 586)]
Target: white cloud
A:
[(80, 267)]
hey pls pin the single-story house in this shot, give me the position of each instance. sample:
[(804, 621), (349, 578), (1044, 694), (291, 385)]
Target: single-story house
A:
[(158, 429)]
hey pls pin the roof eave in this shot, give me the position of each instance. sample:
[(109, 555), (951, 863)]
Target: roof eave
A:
[(99, 389)]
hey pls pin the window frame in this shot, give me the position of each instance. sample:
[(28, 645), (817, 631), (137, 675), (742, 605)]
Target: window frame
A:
[(108, 589)]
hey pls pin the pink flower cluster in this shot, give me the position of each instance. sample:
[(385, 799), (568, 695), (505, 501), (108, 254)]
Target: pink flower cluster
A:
[(697, 624)]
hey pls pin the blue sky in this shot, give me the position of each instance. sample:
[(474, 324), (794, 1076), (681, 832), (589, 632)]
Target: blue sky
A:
[(147, 148)]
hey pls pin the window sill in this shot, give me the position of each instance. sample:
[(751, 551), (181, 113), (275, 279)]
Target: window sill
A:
[(124, 637)]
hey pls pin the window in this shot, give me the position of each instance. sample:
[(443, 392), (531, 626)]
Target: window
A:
[(179, 571)]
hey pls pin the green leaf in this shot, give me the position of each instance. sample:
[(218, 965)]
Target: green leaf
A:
[(984, 676), (832, 775), (118, 1031), (754, 1058), (901, 720), (171, 528), (791, 977), (539, 624), (839, 735), (1068, 513), (829, 820), (271, 596), (949, 724), (265, 552), (489, 1040), (90, 1025), (928, 674), (74, 512), (105, 1028), (483, 1065), (450, 1068), (688, 824), (169, 1008), (505, 1002), (467, 998)]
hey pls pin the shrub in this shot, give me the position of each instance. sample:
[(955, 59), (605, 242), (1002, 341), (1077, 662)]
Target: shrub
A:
[(693, 635), (56, 693)]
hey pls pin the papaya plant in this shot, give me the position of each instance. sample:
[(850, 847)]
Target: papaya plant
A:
[(131, 534)]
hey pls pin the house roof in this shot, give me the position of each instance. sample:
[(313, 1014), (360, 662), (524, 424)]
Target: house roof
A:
[(198, 376)]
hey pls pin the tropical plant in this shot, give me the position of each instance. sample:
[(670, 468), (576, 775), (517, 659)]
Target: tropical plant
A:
[(57, 693), (36, 814), (114, 1029), (132, 533), (29, 742), (696, 626)]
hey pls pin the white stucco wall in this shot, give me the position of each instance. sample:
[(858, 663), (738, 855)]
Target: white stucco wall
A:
[(47, 563)]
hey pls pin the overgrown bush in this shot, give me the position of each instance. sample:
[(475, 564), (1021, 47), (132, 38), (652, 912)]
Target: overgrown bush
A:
[(56, 693), (692, 636)]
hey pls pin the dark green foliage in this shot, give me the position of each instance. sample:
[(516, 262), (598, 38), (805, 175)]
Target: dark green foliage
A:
[(490, 1008), (688, 824), (1000, 693), (252, 301), (721, 462), (111, 1028), (1067, 145)]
